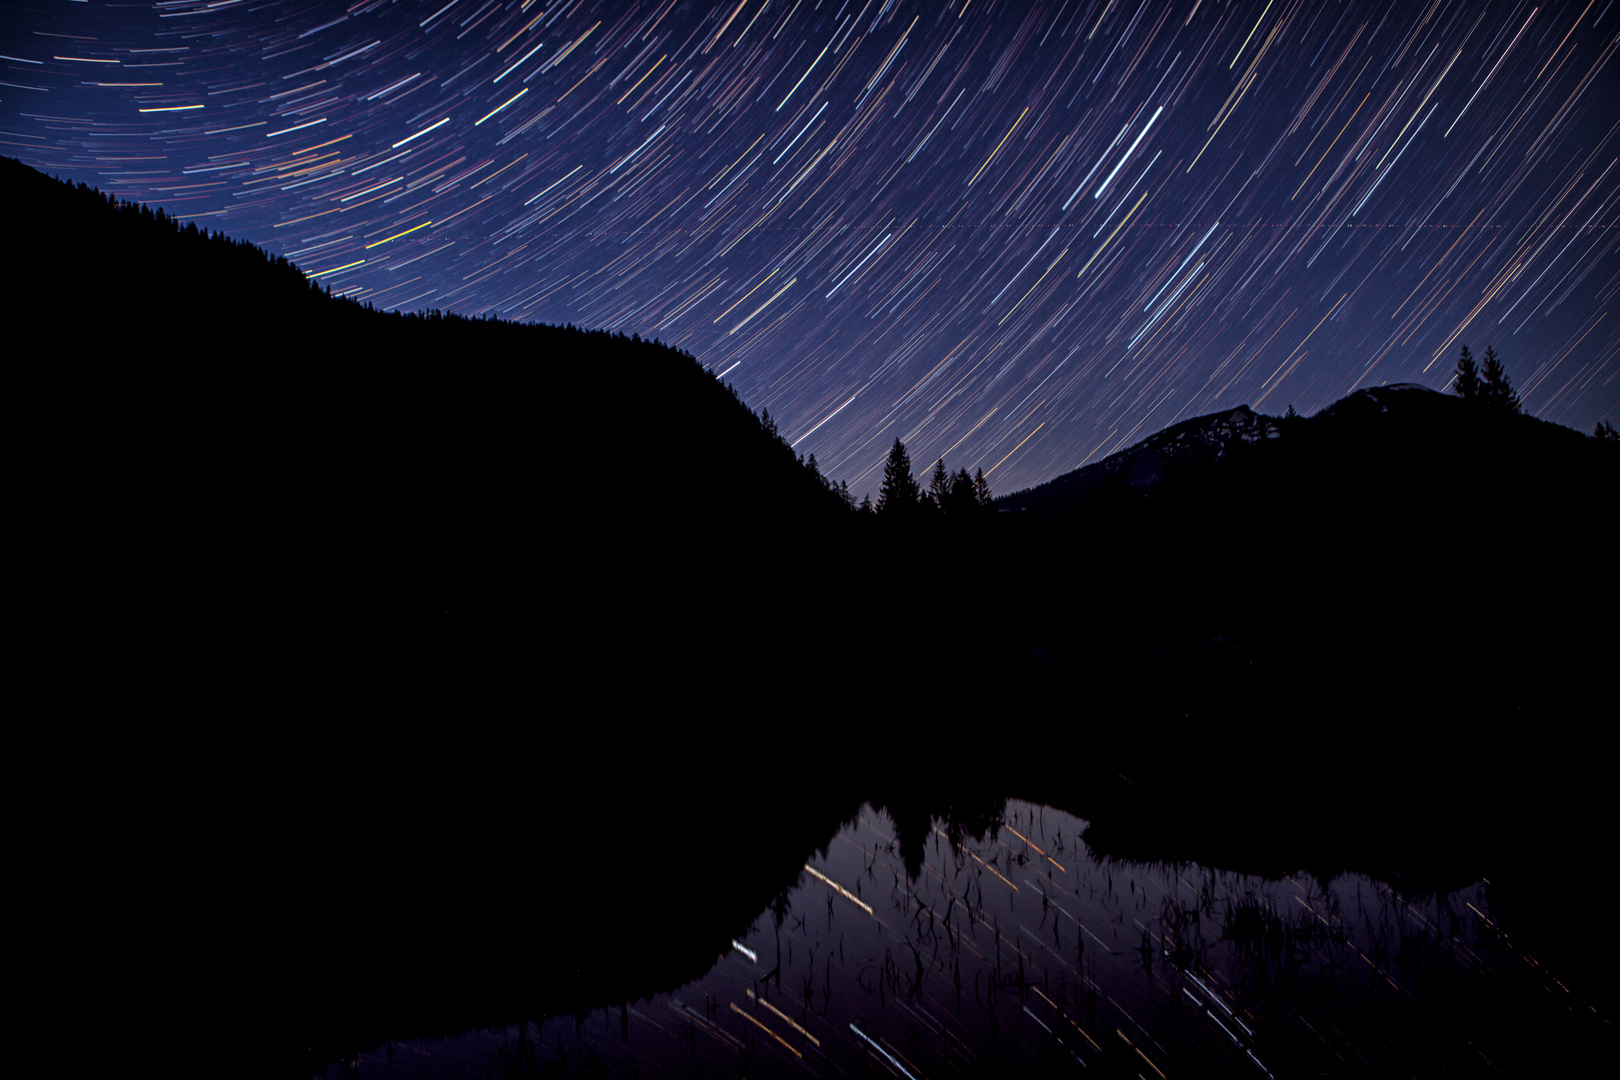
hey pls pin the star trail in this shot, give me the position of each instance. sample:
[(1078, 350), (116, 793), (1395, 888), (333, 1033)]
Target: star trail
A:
[(1016, 235)]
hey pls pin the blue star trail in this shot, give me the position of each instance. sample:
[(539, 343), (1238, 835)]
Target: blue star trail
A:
[(1016, 235)]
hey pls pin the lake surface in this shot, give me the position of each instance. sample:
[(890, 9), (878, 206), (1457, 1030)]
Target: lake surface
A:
[(1019, 953)]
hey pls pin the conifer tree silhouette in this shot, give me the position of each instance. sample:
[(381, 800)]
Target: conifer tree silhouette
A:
[(963, 499), (981, 489), (899, 493), (939, 485), (1495, 389), (1467, 384)]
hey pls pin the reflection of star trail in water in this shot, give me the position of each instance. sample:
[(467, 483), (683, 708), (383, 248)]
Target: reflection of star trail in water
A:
[(1018, 235), (1022, 954)]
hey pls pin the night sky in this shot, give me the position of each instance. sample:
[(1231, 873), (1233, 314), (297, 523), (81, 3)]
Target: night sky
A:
[(1019, 235)]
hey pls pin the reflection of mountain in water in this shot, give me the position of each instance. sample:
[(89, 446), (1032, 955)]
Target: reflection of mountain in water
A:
[(1020, 952), (479, 914)]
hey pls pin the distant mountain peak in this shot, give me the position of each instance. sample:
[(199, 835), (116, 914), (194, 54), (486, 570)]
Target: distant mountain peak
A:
[(1194, 443), (1394, 434), (1399, 395), (1204, 441)]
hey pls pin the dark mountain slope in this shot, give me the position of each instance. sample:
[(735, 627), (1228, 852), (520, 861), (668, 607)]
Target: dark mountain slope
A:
[(1192, 444), (220, 443), (1401, 439), (1406, 476), (1400, 552), (157, 318)]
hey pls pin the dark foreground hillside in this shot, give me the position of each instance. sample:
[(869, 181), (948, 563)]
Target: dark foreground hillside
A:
[(388, 628), (223, 446)]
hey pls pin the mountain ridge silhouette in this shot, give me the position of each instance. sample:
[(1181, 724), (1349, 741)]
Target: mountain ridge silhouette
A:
[(1406, 412)]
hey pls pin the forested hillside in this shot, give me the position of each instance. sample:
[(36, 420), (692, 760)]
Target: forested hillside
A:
[(286, 458), (295, 462)]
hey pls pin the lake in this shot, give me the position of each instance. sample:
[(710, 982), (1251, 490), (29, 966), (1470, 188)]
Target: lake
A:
[(1022, 952)]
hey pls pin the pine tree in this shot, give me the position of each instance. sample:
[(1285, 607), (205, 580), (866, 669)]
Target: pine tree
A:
[(963, 500), (1496, 390), (939, 485), (981, 489), (899, 492), (1467, 384), (1605, 432)]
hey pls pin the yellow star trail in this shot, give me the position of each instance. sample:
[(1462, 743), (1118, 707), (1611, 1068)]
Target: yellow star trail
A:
[(1020, 234)]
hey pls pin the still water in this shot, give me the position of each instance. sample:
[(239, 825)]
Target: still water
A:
[(1018, 953)]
